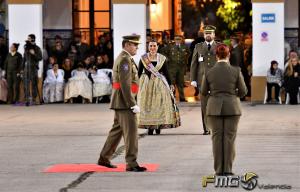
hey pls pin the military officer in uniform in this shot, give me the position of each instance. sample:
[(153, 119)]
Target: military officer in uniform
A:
[(204, 58), (123, 102), (178, 54), (225, 85)]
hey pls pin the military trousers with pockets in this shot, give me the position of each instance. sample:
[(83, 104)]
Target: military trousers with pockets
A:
[(125, 124), (223, 136)]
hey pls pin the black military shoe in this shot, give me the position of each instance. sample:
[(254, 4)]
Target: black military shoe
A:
[(105, 164), (137, 169)]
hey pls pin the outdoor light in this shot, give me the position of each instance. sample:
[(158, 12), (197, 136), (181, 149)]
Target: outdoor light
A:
[(153, 6)]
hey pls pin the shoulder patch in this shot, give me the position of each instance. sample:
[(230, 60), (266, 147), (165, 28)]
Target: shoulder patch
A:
[(125, 67)]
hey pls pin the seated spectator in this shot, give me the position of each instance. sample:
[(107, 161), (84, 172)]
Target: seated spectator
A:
[(292, 54), (292, 80), (3, 87), (53, 88), (99, 62), (274, 79), (48, 65), (79, 85), (59, 53), (107, 62), (67, 67), (102, 86), (87, 62)]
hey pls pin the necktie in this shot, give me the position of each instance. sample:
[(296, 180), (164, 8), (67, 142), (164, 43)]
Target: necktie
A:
[(208, 46)]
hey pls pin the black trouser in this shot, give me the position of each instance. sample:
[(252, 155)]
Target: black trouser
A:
[(293, 97), (269, 91), (13, 83), (30, 76)]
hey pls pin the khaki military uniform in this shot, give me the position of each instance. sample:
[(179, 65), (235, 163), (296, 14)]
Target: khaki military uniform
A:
[(202, 60), (225, 85), (177, 63), (125, 87)]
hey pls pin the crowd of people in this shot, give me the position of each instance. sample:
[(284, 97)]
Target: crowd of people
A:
[(75, 72), (71, 73)]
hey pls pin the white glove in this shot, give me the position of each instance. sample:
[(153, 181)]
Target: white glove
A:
[(194, 83), (3, 74), (135, 109)]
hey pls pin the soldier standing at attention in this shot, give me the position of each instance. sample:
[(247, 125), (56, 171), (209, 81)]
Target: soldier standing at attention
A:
[(225, 85), (204, 58), (125, 88), (178, 54)]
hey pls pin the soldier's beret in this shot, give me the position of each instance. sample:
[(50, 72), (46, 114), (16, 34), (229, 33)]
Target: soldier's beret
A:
[(209, 28), (134, 38)]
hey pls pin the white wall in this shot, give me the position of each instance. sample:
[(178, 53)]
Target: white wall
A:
[(291, 9), (128, 19), (57, 14), (272, 49), (25, 19)]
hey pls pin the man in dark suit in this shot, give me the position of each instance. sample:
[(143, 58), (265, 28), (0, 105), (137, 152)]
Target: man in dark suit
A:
[(83, 48), (237, 59), (236, 53)]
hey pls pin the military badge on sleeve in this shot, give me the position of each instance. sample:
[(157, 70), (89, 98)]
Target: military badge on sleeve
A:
[(125, 67)]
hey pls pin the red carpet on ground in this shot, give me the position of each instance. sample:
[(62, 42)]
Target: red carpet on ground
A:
[(81, 168)]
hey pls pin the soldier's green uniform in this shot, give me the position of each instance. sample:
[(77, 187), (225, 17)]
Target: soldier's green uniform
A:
[(125, 87), (177, 62), (163, 48), (203, 59), (224, 84)]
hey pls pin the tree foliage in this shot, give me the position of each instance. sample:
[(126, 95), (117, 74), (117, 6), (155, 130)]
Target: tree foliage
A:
[(229, 12)]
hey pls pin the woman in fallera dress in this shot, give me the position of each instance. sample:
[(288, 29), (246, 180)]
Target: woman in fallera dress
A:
[(155, 97)]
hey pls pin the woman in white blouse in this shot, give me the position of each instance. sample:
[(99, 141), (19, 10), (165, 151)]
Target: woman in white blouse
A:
[(79, 85), (53, 88)]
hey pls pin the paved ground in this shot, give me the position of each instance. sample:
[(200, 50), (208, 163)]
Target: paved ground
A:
[(34, 138)]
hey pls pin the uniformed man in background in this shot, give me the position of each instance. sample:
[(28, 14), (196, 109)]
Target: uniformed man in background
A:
[(204, 58), (125, 88), (178, 54)]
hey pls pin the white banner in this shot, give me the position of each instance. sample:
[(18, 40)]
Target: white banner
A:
[(268, 36)]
